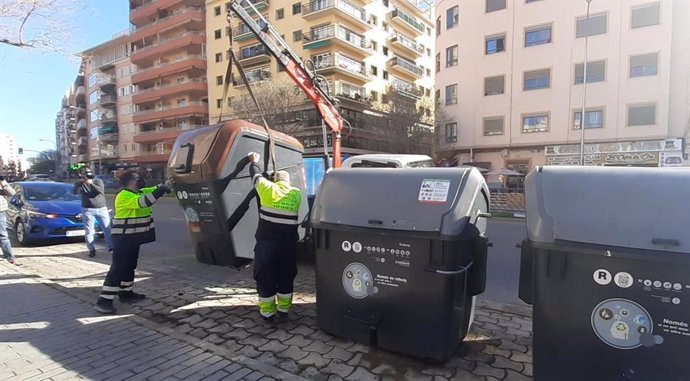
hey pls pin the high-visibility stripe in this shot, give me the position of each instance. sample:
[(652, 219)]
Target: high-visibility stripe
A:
[(267, 306), (111, 288), (284, 302), (123, 283), (125, 288), (278, 220), (104, 296), (129, 221), (151, 198), (276, 215), (277, 211), (126, 231), (142, 202)]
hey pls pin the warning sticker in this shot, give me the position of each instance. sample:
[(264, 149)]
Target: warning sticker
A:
[(434, 191)]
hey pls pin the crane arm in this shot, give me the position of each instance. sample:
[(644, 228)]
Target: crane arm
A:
[(296, 70)]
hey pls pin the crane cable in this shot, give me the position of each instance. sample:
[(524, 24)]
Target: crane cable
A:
[(228, 77)]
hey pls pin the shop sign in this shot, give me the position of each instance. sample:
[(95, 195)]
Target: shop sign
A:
[(620, 147)]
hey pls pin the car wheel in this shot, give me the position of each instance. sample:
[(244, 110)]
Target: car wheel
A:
[(20, 233)]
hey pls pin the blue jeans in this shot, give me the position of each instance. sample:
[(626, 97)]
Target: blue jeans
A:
[(90, 216), (5, 238)]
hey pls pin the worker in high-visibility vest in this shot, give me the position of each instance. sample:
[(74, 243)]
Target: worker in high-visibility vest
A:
[(275, 253), (132, 227)]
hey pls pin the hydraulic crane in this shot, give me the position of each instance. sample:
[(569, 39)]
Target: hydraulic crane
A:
[(313, 86)]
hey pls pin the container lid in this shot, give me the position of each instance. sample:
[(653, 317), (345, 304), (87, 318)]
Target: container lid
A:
[(641, 208), (439, 200)]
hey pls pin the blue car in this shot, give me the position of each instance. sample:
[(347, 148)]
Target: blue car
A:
[(45, 211)]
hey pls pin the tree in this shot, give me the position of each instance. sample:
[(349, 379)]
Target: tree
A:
[(38, 24), (44, 162), (407, 120), (280, 101)]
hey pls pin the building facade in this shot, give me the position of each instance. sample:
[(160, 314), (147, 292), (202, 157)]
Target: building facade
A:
[(71, 132), (168, 45), (362, 48), (107, 76), (509, 82), (9, 151)]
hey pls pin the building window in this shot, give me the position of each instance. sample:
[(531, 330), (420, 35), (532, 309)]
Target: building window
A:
[(451, 94), (375, 96), (219, 57), (94, 96), (537, 79), (216, 11), (385, 50), (598, 24), (593, 119), (535, 123), (642, 115), (437, 95), (644, 65), (217, 34), (495, 44), (385, 74), (495, 5), (438, 62), (452, 16), (219, 103), (452, 56), (645, 15), (494, 85), (219, 80), (428, 72), (280, 14), (438, 25), (451, 132), (296, 8), (384, 25), (493, 126), (374, 71), (297, 35), (374, 46), (530, 1), (596, 72), (373, 20), (538, 35)]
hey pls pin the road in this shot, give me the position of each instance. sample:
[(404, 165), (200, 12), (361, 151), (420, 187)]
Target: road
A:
[(503, 264)]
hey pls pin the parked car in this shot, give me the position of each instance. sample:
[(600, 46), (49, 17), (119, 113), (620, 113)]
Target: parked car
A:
[(388, 161), (45, 210), (39, 177)]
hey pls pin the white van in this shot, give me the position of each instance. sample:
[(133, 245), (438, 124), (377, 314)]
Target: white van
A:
[(388, 161)]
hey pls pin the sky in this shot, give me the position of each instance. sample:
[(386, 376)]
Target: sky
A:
[(33, 83)]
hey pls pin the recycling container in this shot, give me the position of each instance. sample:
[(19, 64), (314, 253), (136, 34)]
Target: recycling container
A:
[(211, 172), (606, 267), (400, 254)]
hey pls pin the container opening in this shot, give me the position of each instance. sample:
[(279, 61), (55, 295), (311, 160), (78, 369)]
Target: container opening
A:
[(183, 161)]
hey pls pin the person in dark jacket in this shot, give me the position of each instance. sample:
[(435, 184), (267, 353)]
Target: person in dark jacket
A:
[(5, 244), (94, 208)]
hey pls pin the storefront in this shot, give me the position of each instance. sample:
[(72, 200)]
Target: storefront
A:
[(650, 153)]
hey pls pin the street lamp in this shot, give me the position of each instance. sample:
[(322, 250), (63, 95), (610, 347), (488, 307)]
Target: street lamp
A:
[(584, 89)]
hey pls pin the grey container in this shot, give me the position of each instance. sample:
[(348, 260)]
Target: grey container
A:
[(607, 270), (400, 253)]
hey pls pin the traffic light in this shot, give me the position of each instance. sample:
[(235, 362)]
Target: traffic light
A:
[(21, 150)]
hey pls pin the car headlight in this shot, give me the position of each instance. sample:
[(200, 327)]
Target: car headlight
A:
[(34, 214)]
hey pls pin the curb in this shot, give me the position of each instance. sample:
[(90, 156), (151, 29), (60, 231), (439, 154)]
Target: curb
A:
[(514, 309), (248, 362)]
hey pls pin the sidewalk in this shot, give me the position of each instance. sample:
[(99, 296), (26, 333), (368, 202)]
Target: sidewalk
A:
[(212, 309)]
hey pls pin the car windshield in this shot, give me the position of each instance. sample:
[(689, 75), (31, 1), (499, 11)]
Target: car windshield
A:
[(421, 164), (49, 192)]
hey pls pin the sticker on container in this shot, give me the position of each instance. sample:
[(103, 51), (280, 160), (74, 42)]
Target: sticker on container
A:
[(347, 246), (434, 191), (623, 279), (357, 247), (602, 277), (624, 324)]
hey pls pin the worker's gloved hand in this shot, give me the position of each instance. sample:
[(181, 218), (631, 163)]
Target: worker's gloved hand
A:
[(254, 157), (164, 187), (170, 184)]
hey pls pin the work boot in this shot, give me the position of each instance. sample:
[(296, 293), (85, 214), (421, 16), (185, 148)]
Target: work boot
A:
[(267, 319), (130, 296), (105, 306), (92, 253), (282, 316)]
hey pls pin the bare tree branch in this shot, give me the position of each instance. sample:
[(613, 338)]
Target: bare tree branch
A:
[(409, 122)]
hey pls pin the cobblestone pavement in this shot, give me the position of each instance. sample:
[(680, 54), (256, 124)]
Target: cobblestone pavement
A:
[(213, 308)]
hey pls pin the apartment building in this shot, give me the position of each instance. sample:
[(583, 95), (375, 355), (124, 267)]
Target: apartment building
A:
[(168, 45), (107, 73), (71, 132), (509, 82), (362, 48)]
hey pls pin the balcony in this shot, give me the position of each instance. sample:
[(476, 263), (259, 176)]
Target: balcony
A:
[(82, 158), (406, 44), (80, 93), (142, 13), (254, 55), (350, 11), (196, 86), (107, 100), (406, 66), (153, 155), (335, 34), (406, 88), (83, 141), (106, 82), (148, 53), (243, 33), (408, 22), (109, 137), (350, 92), (337, 63), (168, 112), (259, 5), (417, 7), (195, 62), (81, 125), (175, 19), (161, 134), (253, 76)]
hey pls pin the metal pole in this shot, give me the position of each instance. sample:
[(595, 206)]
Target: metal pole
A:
[(584, 91)]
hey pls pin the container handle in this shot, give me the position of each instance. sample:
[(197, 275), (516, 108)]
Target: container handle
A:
[(665, 242), (454, 272)]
